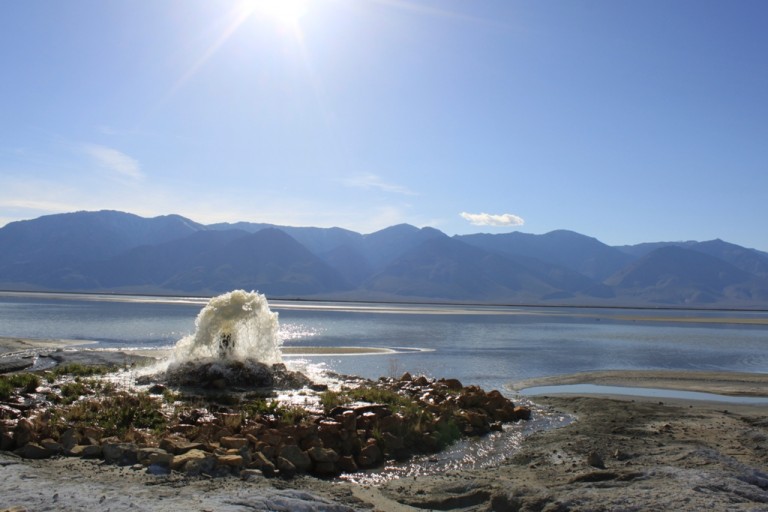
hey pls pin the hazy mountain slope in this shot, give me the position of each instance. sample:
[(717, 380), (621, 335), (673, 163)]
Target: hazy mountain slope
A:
[(269, 261), (445, 268), (640, 250), (749, 260), (116, 251), (153, 265), (86, 235), (384, 246), (583, 254), (674, 275)]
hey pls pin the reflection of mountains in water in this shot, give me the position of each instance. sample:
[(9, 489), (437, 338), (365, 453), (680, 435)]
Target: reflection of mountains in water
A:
[(115, 251)]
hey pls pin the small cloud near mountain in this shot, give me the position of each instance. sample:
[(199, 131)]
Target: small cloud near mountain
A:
[(488, 219)]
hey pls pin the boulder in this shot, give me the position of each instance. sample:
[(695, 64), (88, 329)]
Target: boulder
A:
[(230, 460), (34, 451), (233, 442), (178, 445), (320, 454), (369, 456), (262, 463), (86, 451), (286, 468), (296, 456), (154, 456), (194, 462), (122, 454)]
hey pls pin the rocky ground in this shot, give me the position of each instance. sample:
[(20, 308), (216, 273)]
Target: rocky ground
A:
[(619, 455)]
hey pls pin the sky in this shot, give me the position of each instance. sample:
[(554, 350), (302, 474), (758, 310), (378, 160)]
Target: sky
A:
[(626, 121)]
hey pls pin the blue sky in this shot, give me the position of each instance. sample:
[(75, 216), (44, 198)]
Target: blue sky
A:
[(626, 121)]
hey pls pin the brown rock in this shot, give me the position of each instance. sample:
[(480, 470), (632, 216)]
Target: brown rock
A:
[(522, 413), (296, 456), (286, 468), (199, 459), (233, 461), (369, 456), (233, 442), (157, 456), (122, 454), (34, 451), (178, 445), (320, 454), (262, 463), (347, 464), (24, 432)]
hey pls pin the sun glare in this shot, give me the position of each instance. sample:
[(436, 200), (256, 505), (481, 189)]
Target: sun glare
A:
[(288, 12)]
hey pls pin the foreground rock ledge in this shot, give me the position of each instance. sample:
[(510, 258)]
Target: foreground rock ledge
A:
[(423, 416)]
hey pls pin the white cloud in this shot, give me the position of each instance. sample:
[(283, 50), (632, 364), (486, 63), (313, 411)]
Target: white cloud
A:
[(374, 182), (114, 160), (487, 219)]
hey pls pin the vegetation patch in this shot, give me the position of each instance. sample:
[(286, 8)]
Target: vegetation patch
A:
[(340, 431)]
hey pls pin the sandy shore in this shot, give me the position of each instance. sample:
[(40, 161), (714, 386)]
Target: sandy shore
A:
[(618, 455), (10, 344), (723, 383)]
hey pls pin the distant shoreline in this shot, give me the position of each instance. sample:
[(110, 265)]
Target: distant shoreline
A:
[(325, 300)]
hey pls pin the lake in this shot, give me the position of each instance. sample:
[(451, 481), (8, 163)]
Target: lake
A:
[(484, 345)]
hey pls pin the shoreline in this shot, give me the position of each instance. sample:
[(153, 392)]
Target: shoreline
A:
[(620, 453), (722, 383)]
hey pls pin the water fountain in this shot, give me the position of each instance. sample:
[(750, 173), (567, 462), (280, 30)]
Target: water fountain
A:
[(235, 344)]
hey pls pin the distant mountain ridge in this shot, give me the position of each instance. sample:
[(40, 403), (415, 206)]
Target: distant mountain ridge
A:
[(109, 251)]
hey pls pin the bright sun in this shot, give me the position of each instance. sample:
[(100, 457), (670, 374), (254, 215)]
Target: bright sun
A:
[(288, 12)]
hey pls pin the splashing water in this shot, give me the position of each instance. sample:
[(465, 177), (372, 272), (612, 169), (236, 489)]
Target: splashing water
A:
[(234, 326)]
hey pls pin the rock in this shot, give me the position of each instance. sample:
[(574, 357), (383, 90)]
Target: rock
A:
[(262, 463), (34, 451), (122, 454), (233, 461), (251, 474), (52, 446), (347, 464), (522, 413), (221, 374), (320, 454), (406, 377), (193, 462), (369, 456), (24, 432), (233, 442), (178, 445), (325, 469), (595, 460), (86, 451), (452, 384), (296, 456), (231, 421), (7, 442), (286, 468), (154, 456)]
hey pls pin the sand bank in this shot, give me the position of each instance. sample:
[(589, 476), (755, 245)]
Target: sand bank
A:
[(723, 383)]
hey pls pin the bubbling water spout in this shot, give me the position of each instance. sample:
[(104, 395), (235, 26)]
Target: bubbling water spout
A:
[(235, 326)]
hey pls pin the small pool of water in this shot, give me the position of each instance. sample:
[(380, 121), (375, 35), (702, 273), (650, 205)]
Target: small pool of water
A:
[(594, 389)]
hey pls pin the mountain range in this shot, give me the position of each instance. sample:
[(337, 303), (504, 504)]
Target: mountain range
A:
[(110, 251)]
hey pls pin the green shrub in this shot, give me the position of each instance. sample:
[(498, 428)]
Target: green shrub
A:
[(26, 382), (118, 413), (81, 370)]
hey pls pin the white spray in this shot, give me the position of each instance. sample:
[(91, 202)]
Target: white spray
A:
[(234, 326)]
